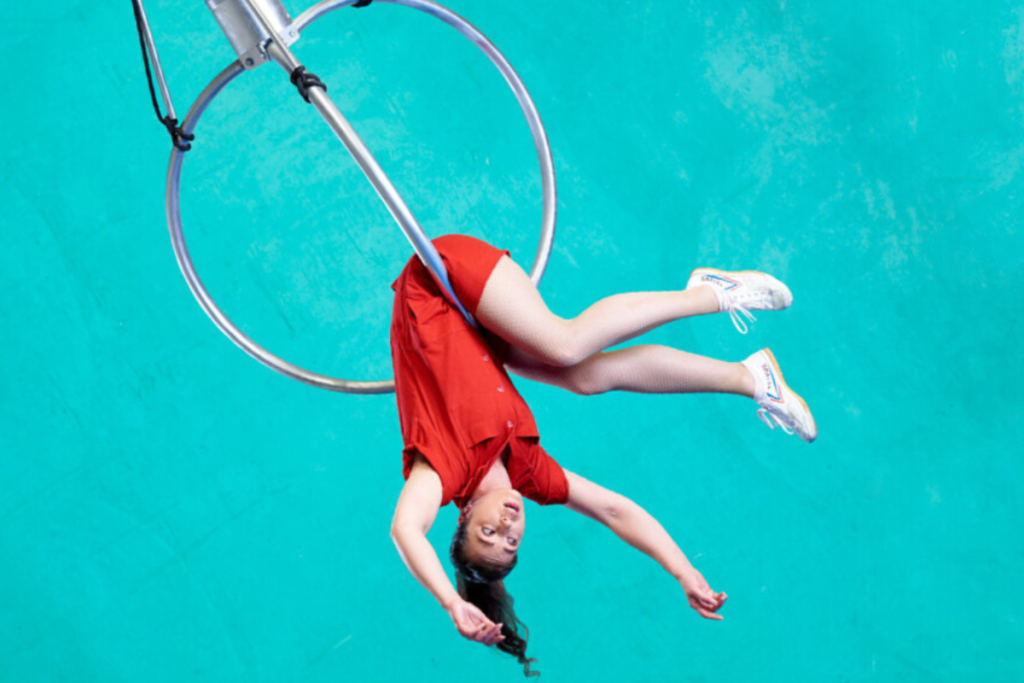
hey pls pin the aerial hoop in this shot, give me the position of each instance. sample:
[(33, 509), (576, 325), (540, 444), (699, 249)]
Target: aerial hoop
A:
[(401, 213)]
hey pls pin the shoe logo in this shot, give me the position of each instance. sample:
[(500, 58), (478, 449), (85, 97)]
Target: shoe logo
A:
[(720, 281), (772, 390)]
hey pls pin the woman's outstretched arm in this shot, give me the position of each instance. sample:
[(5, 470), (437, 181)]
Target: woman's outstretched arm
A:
[(414, 515), (637, 527)]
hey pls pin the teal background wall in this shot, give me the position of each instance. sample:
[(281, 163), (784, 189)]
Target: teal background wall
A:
[(170, 510)]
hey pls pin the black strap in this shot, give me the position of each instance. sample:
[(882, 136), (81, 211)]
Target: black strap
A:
[(304, 80), (362, 3), (179, 138)]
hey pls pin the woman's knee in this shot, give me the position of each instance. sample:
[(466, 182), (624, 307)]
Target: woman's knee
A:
[(581, 379), (564, 352), (550, 342)]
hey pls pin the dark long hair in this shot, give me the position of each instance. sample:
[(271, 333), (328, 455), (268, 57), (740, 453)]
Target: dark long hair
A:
[(483, 585)]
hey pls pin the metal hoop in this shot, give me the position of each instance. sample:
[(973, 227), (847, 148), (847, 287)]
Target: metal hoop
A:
[(232, 71)]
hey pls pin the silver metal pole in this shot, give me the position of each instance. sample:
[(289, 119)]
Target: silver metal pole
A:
[(280, 53), (540, 138), (155, 58)]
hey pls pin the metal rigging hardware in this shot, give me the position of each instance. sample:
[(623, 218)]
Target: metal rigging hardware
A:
[(261, 31)]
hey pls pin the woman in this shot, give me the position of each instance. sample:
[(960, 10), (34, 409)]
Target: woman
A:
[(470, 438)]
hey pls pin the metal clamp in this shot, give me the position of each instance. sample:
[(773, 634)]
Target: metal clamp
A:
[(245, 23)]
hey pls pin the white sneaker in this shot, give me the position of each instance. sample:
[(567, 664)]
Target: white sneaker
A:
[(740, 291), (779, 404)]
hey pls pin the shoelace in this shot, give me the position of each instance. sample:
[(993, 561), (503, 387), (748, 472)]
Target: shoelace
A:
[(760, 298), (735, 309), (765, 414)]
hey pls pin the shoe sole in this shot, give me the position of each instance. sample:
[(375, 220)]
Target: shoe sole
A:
[(775, 364), (746, 272)]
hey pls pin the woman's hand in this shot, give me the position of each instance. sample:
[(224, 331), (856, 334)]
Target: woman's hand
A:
[(472, 623), (700, 595)]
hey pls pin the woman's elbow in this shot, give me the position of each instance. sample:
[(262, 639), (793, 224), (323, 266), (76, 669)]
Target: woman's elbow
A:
[(399, 539), (615, 508), (398, 530), (403, 530)]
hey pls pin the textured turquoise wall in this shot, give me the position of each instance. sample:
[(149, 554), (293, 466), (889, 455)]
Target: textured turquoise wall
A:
[(170, 510)]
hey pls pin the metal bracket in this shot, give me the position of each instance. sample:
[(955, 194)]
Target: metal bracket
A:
[(241, 22)]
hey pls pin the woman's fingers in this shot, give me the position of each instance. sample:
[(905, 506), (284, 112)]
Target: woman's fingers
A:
[(487, 632), (708, 614), (482, 632), (706, 606), (702, 599), (493, 635), (473, 625), (714, 601), (708, 601)]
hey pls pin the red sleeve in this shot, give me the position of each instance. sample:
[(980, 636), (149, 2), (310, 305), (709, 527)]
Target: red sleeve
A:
[(536, 475), (422, 444)]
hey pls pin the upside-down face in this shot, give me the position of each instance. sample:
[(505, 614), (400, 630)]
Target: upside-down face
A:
[(494, 527)]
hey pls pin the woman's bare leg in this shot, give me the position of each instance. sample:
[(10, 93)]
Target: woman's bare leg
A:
[(512, 308), (646, 368)]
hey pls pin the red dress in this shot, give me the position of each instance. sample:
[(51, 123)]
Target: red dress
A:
[(456, 403)]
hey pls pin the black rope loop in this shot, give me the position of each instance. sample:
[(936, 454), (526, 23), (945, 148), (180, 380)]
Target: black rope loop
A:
[(179, 137), (304, 80)]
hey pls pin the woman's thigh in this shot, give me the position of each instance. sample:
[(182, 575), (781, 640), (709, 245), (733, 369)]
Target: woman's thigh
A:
[(512, 308), (582, 378)]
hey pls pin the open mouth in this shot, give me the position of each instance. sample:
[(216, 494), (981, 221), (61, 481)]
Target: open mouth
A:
[(513, 507)]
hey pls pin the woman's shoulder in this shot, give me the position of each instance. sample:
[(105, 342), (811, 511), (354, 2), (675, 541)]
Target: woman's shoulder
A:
[(421, 474), (418, 463)]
